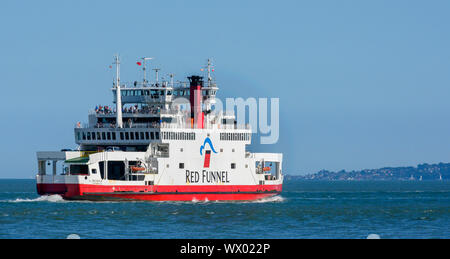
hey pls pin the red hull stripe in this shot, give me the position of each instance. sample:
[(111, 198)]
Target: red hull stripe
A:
[(171, 193), (160, 193)]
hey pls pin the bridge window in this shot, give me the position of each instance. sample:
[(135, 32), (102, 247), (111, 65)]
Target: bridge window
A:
[(152, 135), (127, 136), (142, 135), (132, 135), (146, 135), (101, 166), (121, 135), (103, 135), (116, 170), (157, 135), (113, 135), (79, 169)]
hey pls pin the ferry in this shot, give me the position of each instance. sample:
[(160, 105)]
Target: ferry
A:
[(149, 147)]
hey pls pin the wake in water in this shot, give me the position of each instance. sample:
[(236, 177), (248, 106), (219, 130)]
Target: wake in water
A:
[(277, 198), (59, 198), (45, 198)]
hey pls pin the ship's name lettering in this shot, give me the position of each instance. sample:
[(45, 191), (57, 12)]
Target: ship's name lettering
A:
[(207, 176)]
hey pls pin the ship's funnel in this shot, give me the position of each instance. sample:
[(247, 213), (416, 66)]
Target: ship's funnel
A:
[(196, 84)]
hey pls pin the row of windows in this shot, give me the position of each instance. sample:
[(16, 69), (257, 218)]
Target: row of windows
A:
[(233, 166), (141, 135), (235, 136), (178, 135), (153, 93), (157, 93)]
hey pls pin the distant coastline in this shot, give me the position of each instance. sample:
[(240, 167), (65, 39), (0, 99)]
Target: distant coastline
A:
[(422, 172)]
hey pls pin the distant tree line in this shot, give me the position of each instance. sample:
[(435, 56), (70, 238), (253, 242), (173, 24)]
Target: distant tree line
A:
[(424, 172)]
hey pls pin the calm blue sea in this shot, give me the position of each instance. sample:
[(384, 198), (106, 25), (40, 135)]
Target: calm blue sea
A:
[(306, 209)]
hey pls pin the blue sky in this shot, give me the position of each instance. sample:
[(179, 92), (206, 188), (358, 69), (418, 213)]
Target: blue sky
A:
[(362, 84)]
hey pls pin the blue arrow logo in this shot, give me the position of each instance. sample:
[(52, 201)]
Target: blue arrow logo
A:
[(207, 141)]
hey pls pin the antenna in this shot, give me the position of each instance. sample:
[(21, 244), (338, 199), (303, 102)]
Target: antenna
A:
[(171, 79), (156, 71), (118, 93), (210, 68), (144, 68)]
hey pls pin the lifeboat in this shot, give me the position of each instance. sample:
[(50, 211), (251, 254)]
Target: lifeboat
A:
[(137, 169)]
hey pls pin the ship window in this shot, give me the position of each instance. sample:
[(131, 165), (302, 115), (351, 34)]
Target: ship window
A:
[(152, 135), (121, 135), (137, 135), (93, 135), (94, 171), (89, 136), (108, 135), (101, 166), (166, 120), (98, 135), (142, 135), (103, 135), (181, 165), (132, 135), (233, 166), (157, 135), (116, 170), (146, 135), (84, 136), (79, 169), (127, 136)]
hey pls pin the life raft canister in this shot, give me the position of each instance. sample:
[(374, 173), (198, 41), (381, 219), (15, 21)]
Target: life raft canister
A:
[(135, 168)]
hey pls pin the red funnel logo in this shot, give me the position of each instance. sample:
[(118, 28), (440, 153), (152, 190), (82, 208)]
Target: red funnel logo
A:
[(207, 158), (207, 152)]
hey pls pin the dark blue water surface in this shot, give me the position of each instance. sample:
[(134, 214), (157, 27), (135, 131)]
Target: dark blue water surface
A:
[(306, 209)]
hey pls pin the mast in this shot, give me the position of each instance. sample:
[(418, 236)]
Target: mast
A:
[(156, 72), (144, 68), (171, 79), (209, 73), (118, 94)]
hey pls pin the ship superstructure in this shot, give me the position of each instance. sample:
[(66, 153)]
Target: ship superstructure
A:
[(161, 141)]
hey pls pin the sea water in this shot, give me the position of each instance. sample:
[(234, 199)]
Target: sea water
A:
[(305, 209)]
